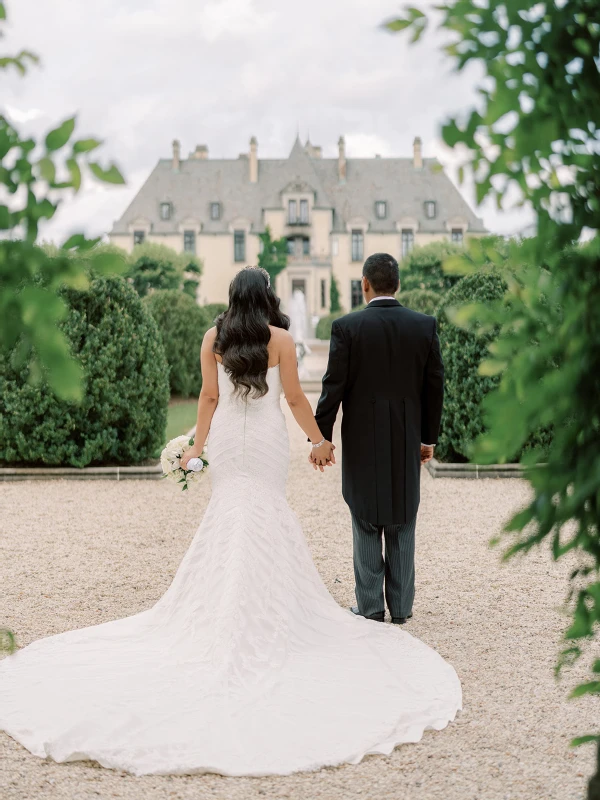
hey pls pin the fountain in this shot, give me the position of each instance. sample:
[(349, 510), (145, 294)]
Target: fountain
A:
[(298, 314)]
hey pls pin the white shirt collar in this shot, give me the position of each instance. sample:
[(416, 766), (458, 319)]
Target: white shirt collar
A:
[(382, 297)]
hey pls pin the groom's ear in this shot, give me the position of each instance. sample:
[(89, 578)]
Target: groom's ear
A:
[(365, 285)]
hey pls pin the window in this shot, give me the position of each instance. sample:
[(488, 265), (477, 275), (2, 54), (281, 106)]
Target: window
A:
[(381, 209), (357, 245), (457, 235), (335, 247), (292, 212), (291, 245), (189, 241), (323, 293), (139, 236), (408, 241), (215, 210), (165, 210), (356, 295), (239, 245), (430, 209), (303, 210), (306, 246)]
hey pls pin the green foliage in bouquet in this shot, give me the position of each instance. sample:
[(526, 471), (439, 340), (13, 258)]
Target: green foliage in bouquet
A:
[(182, 325), (422, 268), (423, 300), (535, 134), (462, 352), (155, 266), (121, 418)]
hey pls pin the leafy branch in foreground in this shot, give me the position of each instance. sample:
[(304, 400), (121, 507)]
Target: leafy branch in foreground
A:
[(534, 135)]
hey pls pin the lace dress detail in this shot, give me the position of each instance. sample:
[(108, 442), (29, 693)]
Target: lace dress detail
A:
[(246, 665)]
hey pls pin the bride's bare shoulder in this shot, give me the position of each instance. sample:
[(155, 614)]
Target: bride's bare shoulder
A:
[(279, 334)]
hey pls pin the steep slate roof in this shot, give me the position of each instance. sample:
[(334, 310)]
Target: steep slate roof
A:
[(200, 182)]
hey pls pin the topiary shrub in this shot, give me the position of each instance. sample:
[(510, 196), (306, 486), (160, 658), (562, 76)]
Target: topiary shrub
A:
[(122, 417), (323, 330), (182, 325), (422, 268), (213, 310), (462, 352), (423, 300)]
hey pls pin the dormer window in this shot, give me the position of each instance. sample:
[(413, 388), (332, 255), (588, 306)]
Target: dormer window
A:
[(457, 235), (292, 212), (165, 210), (381, 209), (304, 211), (430, 210), (215, 211), (138, 237)]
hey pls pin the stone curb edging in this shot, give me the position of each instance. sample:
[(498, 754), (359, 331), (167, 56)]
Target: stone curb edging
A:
[(152, 472), (437, 469), (81, 473)]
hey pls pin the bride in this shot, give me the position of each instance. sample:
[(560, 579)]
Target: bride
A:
[(246, 665)]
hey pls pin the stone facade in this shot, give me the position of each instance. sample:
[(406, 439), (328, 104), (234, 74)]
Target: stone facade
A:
[(334, 213)]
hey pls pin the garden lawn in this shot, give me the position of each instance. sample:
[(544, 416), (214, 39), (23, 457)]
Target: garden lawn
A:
[(181, 416)]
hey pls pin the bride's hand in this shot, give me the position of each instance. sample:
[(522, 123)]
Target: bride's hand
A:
[(322, 456), (193, 452)]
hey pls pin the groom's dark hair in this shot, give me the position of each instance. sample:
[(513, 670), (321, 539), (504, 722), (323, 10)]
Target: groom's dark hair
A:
[(381, 270)]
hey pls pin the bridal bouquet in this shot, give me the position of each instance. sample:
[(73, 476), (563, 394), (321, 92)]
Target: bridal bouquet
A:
[(170, 461)]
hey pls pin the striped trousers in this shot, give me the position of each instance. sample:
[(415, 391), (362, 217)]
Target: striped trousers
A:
[(372, 570)]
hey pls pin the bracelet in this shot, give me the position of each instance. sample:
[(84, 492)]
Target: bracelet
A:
[(318, 444)]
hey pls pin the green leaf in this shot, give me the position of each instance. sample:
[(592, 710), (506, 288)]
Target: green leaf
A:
[(110, 175), (85, 145), (395, 25), (6, 219), (583, 46), (47, 169), (2, 11), (490, 367), (78, 242), (73, 167), (585, 739), (593, 687), (61, 135), (65, 378), (109, 264)]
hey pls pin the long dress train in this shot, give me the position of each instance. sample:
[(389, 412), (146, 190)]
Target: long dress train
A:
[(246, 665)]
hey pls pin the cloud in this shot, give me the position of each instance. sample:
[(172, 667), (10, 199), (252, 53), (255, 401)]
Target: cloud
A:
[(140, 74)]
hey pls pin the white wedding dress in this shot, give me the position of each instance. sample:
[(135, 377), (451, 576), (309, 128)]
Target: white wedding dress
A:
[(246, 665)]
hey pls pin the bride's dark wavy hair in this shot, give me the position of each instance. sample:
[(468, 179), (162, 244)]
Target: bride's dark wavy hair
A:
[(243, 330)]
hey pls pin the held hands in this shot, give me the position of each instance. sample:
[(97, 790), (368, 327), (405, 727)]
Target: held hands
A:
[(322, 456), (426, 453)]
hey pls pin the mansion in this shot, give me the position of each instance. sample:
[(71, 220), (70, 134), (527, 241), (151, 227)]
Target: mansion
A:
[(334, 212)]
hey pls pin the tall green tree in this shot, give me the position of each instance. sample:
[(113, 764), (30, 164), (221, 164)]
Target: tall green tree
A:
[(535, 133), (334, 296), (274, 254)]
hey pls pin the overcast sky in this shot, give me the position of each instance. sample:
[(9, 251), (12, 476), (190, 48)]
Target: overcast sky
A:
[(140, 73)]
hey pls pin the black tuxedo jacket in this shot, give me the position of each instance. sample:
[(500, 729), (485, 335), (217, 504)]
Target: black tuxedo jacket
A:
[(386, 371)]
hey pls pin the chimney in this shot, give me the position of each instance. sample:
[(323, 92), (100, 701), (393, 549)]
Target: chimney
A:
[(201, 151), (176, 154), (342, 160), (417, 156), (253, 160)]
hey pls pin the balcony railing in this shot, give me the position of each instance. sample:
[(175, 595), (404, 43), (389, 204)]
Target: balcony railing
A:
[(295, 222), (309, 261)]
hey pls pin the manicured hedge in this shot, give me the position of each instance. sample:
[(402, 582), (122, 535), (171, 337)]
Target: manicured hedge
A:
[(182, 325), (214, 309), (423, 300), (323, 330), (122, 417), (462, 352), (422, 268)]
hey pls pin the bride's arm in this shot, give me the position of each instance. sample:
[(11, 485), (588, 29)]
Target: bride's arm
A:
[(298, 401), (209, 396)]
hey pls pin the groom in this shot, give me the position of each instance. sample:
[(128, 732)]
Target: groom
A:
[(386, 371)]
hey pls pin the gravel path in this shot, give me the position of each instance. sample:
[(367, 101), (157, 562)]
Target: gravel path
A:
[(80, 553)]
